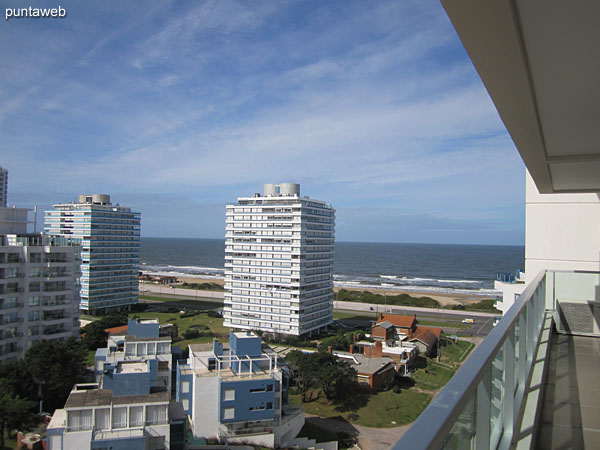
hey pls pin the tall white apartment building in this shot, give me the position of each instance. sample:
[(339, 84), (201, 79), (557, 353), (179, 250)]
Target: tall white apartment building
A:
[(110, 239), (3, 186), (39, 285), (279, 262)]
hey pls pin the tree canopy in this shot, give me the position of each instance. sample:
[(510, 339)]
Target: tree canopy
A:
[(319, 370)]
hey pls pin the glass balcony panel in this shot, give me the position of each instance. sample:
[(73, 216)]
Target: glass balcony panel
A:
[(497, 397), (462, 433), (518, 381)]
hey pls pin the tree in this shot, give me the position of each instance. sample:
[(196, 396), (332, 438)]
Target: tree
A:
[(322, 370), (333, 374), (56, 366), (14, 413), (95, 336), (302, 371)]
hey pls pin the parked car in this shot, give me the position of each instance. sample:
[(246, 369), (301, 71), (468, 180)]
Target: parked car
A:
[(468, 321)]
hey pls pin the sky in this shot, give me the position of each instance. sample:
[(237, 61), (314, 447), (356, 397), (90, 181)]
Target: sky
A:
[(176, 108)]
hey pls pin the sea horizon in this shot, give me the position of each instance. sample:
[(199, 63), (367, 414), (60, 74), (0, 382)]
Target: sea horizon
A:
[(464, 269)]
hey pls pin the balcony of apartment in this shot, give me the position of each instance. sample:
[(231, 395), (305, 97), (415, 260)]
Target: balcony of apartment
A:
[(532, 383)]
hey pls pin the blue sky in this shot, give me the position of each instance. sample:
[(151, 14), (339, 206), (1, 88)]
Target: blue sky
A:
[(178, 107)]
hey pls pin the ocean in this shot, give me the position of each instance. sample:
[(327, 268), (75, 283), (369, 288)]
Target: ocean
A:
[(434, 268)]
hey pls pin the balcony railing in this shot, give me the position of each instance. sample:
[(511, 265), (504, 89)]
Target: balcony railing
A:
[(482, 406)]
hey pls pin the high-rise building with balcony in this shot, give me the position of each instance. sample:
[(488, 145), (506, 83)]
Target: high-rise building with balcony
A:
[(3, 186), (39, 285), (110, 239), (533, 382), (279, 262)]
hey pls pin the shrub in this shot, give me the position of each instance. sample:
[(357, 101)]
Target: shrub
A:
[(213, 313), (191, 333)]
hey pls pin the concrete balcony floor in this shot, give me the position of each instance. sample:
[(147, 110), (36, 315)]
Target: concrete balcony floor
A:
[(571, 407)]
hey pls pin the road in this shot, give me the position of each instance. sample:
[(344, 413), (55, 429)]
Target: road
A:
[(483, 322)]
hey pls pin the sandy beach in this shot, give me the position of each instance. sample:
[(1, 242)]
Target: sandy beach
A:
[(444, 299)]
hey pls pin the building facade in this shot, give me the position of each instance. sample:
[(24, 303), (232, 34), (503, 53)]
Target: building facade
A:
[(110, 237), (238, 393), (129, 407), (279, 262), (547, 244), (3, 187), (39, 291)]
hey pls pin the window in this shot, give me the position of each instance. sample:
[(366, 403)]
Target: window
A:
[(186, 404), (185, 387), (79, 420), (130, 350), (34, 287), (156, 414), (102, 421), (141, 349), (35, 257), (228, 395), (35, 272), (228, 413), (151, 348), (34, 301), (10, 302), (269, 405), (136, 416), (163, 348), (34, 331), (255, 390), (269, 388), (34, 316), (119, 419)]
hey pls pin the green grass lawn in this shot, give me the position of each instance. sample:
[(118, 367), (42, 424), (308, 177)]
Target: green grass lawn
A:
[(433, 377), (379, 410), (192, 303), (455, 352), (200, 320), (345, 314)]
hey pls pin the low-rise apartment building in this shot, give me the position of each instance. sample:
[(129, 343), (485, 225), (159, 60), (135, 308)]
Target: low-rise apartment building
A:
[(238, 392), (129, 407)]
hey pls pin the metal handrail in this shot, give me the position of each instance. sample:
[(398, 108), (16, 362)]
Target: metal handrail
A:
[(432, 428)]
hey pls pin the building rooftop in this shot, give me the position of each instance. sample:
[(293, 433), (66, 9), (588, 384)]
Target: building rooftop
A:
[(132, 367), (364, 365), (397, 320), (102, 397)]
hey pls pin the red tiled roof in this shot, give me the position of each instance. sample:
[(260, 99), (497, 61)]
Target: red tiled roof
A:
[(119, 329), (427, 335), (397, 320), (435, 330)]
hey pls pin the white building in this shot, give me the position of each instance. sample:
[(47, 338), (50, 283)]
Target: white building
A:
[(39, 285), (279, 262), (110, 237), (561, 233), (3, 186), (130, 406), (238, 393)]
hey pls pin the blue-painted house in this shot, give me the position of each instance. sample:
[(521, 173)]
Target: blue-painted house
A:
[(237, 392)]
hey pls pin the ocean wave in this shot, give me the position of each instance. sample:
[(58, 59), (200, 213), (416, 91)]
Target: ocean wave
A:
[(459, 281), (389, 277)]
